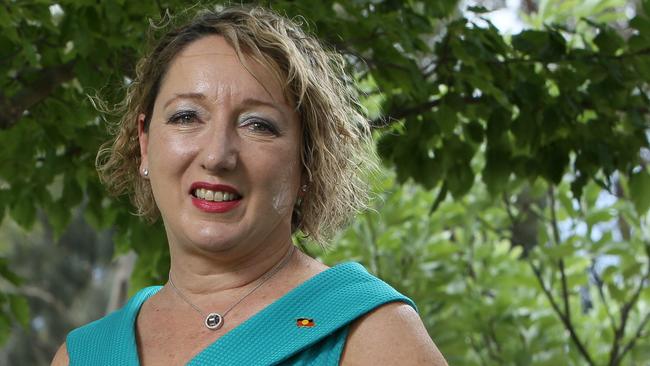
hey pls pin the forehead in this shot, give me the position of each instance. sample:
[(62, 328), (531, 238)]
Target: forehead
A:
[(212, 67)]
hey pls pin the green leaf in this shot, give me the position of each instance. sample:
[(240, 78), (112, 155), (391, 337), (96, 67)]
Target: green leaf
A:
[(31, 54), (498, 123), (5, 327), (446, 118), (567, 203), (598, 216), (7, 274), (553, 160), (560, 251), (474, 131), (478, 9), (645, 5), (20, 309), (577, 185), (459, 180), (8, 25), (24, 212), (616, 293), (441, 8), (639, 185), (641, 24), (608, 41), (540, 44), (497, 169)]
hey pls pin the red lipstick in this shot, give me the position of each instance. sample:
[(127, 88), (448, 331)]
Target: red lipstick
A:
[(213, 206)]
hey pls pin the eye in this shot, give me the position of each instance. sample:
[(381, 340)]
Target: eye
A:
[(257, 125), (183, 117)]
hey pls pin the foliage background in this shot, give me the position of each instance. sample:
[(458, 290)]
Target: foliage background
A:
[(512, 208)]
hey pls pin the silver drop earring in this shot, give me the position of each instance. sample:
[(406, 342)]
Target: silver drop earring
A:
[(145, 172), (303, 189)]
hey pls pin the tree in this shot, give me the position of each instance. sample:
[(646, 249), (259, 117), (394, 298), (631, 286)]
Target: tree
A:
[(65, 283), (520, 131), (484, 301)]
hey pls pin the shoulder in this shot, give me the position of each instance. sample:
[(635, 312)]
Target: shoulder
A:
[(95, 339), (392, 334), (61, 357)]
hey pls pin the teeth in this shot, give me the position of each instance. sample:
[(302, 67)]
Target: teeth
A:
[(216, 196)]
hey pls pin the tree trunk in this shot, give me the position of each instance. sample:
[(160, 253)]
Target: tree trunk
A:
[(122, 275)]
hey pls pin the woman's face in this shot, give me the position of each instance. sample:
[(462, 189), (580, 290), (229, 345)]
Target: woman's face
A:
[(222, 151)]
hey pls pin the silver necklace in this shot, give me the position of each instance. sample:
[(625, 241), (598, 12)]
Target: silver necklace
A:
[(214, 321)]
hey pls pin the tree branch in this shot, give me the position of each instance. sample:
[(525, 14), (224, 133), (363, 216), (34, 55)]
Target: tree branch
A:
[(492, 347), (12, 109), (601, 294), (413, 111), (565, 316), (614, 357), (477, 350), (637, 335), (443, 57), (442, 194), (41, 294), (566, 321), (372, 244), (556, 237), (530, 6), (571, 58), (401, 113), (493, 337)]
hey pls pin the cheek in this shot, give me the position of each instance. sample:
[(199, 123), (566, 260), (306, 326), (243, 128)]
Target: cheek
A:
[(281, 200), (284, 184), (168, 151)]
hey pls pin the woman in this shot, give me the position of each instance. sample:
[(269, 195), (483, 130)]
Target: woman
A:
[(239, 130)]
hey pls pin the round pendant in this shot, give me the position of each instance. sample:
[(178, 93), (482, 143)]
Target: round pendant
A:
[(214, 321)]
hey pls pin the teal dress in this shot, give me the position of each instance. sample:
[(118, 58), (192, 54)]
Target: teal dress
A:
[(307, 326)]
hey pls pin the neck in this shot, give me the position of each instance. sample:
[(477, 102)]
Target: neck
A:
[(197, 274)]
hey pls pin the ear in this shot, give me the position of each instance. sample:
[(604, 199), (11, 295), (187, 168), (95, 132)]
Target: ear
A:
[(304, 185), (143, 138)]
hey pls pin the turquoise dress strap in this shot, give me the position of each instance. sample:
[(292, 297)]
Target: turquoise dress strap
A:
[(331, 300), (307, 326), (111, 339)]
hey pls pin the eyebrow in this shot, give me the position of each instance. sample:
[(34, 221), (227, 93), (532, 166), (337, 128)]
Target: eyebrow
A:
[(252, 102), (195, 96), (248, 102)]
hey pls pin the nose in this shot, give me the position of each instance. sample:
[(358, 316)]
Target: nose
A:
[(220, 149)]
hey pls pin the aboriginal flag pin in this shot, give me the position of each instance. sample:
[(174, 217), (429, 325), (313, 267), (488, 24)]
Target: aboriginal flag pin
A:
[(305, 322)]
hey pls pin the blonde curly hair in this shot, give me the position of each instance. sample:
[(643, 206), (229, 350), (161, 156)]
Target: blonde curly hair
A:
[(337, 152)]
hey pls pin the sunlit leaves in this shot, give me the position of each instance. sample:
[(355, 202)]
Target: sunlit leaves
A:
[(522, 99), (564, 101), (467, 276), (469, 111)]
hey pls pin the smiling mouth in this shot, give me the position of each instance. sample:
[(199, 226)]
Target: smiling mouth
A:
[(215, 196)]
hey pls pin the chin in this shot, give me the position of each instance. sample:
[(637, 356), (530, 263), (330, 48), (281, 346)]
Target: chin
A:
[(214, 246), (212, 240)]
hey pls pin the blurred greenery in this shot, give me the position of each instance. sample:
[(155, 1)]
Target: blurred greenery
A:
[(65, 283), (512, 207)]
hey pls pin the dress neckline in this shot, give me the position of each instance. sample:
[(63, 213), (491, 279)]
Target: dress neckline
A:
[(136, 302)]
